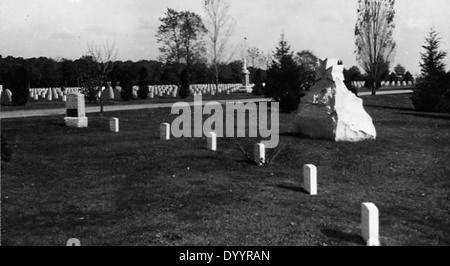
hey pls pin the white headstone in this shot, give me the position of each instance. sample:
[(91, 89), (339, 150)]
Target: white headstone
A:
[(212, 141), (49, 95), (114, 125), (164, 131), (73, 242), (259, 153), (63, 98), (9, 95), (152, 95), (36, 97), (111, 93), (310, 179), (370, 224)]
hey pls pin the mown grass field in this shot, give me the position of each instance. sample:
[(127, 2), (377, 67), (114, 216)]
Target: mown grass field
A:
[(130, 188)]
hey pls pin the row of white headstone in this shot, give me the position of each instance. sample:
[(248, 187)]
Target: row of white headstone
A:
[(369, 212), (360, 84), (51, 94)]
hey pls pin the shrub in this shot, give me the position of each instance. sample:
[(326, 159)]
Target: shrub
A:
[(20, 90), (127, 89), (432, 94), (143, 86), (258, 80), (143, 91)]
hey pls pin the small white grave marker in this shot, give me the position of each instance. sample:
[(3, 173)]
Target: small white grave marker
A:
[(9, 95), (310, 179), (212, 141), (369, 224), (164, 131), (114, 125), (49, 96), (259, 153), (73, 242)]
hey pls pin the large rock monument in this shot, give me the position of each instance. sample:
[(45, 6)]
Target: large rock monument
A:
[(331, 111)]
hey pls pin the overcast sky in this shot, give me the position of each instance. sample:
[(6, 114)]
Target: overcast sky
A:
[(62, 28)]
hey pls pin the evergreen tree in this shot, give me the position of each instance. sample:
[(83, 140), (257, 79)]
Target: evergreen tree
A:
[(127, 88), (20, 91), (284, 78), (143, 85), (258, 80), (432, 92)]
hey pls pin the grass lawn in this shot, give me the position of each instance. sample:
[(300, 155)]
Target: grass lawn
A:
[(130, 188)]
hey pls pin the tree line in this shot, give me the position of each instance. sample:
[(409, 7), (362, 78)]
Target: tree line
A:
[(46, 72)]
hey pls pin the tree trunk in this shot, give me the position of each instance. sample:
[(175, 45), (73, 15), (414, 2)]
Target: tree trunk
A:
[(374, 89), (216, 70), (101, 102)]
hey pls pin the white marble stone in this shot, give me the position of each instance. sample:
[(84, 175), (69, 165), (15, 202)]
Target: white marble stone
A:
[(331, 111), (63, 98), (310, 179), (111, 93), (8, 95), (73, 242), (259, 153), (76, 113), (76, 122), (76, 102), (164, 131), (370, 224), (114, 125), (212, 141)]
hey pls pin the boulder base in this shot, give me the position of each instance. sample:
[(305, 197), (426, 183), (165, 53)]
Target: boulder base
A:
[(331, 111), (77, 122)]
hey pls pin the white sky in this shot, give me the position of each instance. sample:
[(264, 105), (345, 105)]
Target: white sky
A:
[(62, 28)]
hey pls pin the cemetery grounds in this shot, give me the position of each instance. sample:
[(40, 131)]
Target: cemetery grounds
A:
[(131, 188)]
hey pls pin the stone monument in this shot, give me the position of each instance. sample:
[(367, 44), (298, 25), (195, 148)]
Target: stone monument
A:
[(330, 111), (246, 87), (75, 111)]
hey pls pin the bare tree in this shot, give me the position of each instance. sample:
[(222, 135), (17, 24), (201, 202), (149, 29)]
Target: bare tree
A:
[(375, 45), (220, 27), (103, 56), (256, 57)]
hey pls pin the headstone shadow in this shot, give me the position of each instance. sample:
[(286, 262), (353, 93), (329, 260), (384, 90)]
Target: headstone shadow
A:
[(345, 237), (61, 124), (293, 188)]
